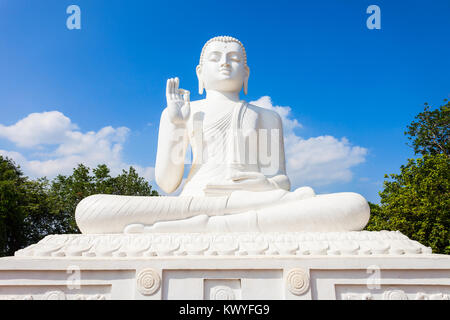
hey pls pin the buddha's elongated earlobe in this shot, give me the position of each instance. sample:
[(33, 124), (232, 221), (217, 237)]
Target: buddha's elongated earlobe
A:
[(201, 86), (247, 69)]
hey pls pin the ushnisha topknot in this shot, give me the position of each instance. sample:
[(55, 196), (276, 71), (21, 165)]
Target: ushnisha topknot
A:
[(223, 39)]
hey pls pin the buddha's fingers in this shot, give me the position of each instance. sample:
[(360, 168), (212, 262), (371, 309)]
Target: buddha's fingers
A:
[(237, 177), (172, 89), (217, 192), (186, 96), (178, 94), (186, 110), (220, 186), (168, 89), (220, 189)]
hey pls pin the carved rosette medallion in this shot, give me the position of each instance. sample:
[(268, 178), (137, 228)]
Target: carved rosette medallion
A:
[(297, 281), (54, 295), (148, 281), (222, 293), (395, 295)]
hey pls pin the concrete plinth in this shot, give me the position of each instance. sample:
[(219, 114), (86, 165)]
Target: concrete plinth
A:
[(346, 265)]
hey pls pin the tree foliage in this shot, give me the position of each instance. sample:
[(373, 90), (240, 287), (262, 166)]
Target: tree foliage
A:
[(429, 134), (417, 201), (68, 191), (32, 209), (13, 206)]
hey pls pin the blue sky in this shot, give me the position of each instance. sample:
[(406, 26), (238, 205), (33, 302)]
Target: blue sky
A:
[(352, 90)]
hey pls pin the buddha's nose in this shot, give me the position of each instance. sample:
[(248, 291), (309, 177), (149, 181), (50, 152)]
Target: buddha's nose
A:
[(224, 64)]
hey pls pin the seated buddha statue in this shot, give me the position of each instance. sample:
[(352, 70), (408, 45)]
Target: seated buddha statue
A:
[(237, 181)]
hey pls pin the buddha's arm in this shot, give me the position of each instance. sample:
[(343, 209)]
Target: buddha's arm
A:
[(270, 121), (170, 155)]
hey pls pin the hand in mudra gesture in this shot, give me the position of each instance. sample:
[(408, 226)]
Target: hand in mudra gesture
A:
[(250, 181), (178, 103)]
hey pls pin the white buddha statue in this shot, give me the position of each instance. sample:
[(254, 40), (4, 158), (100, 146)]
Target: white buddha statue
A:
[(237, 182)]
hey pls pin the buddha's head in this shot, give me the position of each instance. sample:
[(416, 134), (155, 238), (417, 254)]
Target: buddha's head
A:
[(223, 66)]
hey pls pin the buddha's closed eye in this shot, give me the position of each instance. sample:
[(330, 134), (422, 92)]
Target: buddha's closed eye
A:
[(235, 58), (214, 57)]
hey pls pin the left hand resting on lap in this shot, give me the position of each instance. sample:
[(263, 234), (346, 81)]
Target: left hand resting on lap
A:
[(251, 181)]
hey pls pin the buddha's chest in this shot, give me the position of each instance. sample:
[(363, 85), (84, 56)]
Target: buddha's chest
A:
[(212, 124)]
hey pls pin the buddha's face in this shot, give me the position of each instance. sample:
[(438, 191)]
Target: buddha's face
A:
[(223, 68)]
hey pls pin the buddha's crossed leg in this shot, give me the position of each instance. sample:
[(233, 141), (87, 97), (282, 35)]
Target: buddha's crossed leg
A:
[(333, 212), (117, 214)]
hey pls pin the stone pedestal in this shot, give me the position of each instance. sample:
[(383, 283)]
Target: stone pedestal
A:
[(347, 265)]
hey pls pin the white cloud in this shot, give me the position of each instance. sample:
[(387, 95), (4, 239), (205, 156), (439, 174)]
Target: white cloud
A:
[(62, 146), (314, 161), (38, 128)]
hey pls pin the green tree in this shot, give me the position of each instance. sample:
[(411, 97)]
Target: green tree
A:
[(129, 183), (67, 191), (429, 133), (25, 210), (41, 217), (13, 203), (32, 209), (417, 201)]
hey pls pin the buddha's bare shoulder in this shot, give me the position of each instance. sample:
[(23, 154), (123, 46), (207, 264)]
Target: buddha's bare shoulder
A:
[(267, 116)]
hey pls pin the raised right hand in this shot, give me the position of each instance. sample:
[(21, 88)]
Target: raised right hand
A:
[(178, 103)]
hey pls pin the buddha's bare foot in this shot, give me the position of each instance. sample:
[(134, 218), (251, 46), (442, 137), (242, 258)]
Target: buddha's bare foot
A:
[(194, 224), (134, 228)]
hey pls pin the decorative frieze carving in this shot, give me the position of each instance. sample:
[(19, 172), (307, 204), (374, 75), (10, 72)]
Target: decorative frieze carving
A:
[(195, 244), (396, 294), (54, 295)]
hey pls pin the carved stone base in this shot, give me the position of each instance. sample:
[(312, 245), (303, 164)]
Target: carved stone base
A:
[(347, 265)]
